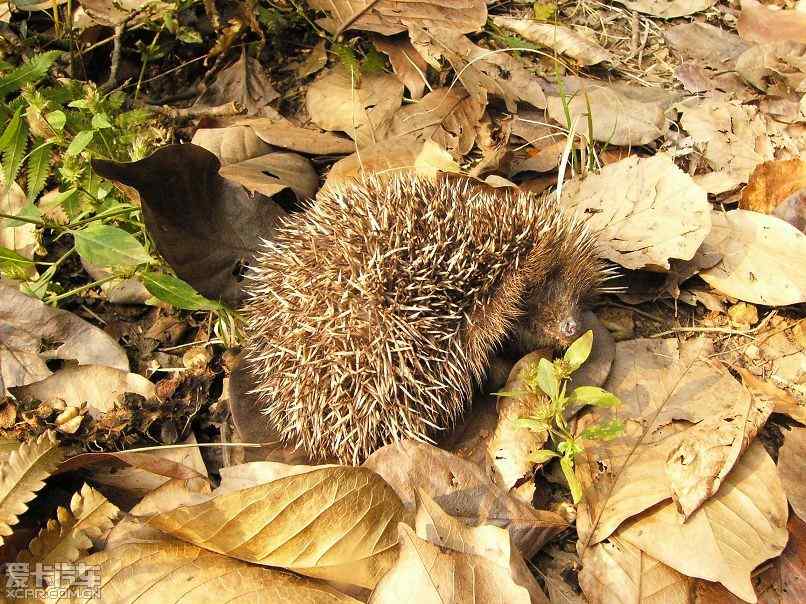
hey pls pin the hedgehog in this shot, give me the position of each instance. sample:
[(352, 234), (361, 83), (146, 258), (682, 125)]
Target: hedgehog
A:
[(371, 316)]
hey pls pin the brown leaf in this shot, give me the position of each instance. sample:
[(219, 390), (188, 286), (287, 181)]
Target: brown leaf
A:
[(21, 238), (793, 563), (563, 39), (304, 140), (759, 24), (792, 469), (120, 11), (668, 9), (273, 173), (232, 144), (315, 61), (775, 68), (245, 82), (204, 225), (408, 65), (462, 489), (709, 45), (772, 183)]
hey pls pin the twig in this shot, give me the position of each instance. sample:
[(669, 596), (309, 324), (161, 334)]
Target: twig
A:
[(227, 109), (749, 333), (116, 53)]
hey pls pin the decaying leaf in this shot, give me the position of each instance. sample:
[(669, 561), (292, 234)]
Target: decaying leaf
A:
[(245, 82), (408, 65), (331, 522), (708, 45), (204, 225), (558, 37), (304, 140), (34, 332), (22, 475), (173, 572), (772, 183), (775, 67), (759, 24), (761, 258), (658, 212), (792, 469), (668, 9)]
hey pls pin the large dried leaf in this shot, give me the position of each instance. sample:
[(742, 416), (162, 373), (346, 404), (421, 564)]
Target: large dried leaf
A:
[(20, 239), (331, 522), (22, 475), (792, 469), (761, 258), (658, 212), (245, 82), (69, 536), (709, 45), (775, 67), (304, 140), (361, 108), (33, 332), (772, 183), (668, 9), (759, 24), (462, 489), (480, 70), (273, 173), (231, 145), (204, 226), (616, 571), (558, 37), (428, 574), (172, 572), (408, 65), (96, 385), (389, 17), (743, 525)]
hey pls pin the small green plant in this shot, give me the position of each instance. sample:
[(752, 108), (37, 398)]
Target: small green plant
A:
[(551, 378)]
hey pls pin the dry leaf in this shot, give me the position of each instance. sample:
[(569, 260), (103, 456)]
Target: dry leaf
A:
[(408, 65), (22, 238), (743, 525), (361, 108), (793, 563), (480, 70), (273, 173), (668, 9), (96, 385), (232, 144), (427, 574), (173, 572), (792, 469), (771, 183), (709, 45), (782, 402), (761, 258), (120, 11), (616, 571), (331, 522), (658, 212), (22, 475), (388, 17), (304, 140), (462, 489), (759, 24), (563, 39), (774, 68), (246, 83), (315, 61)]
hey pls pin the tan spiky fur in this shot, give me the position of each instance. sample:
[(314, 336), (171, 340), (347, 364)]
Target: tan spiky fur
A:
[(371, 314)]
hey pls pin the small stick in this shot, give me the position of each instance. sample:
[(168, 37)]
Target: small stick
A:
[(227, 109)]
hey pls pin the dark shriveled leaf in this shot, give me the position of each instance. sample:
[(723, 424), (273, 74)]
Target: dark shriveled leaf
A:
[(204, 225)]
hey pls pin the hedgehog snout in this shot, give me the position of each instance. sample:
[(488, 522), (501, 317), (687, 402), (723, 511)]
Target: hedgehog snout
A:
[(569, 328)]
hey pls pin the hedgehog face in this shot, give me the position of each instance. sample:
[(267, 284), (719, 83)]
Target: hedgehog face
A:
[(554, 312)]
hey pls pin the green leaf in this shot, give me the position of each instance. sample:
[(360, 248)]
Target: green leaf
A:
[(604, 431), (38, 168), (543, 455), (32, 70), (591, 395), (544, 12), (12, 265), (11, 130), (547, 379), (100, 120), (14, 153), (29, 210), (57, 119), (567, 465), (176, 292), (79, 143), (533, 424), (79, 104), (579, 351), (106, 246)]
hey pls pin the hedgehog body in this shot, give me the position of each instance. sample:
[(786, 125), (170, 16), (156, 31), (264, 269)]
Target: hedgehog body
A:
[(372, 314)]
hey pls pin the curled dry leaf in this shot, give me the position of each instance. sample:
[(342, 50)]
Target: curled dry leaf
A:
[(173, 572), (480, 70), (668, 9), (96, 385), (205, 226), (388, 17), (22, 475), (792, 469), (231, 145), (775, 68), (760, 24), (659, 212), (743, 525), (332, 522), (408, 65), (246, 83), (462, 489), (34, 332), (560, 38), (761, 258), (782, 402), (427, 574), (361, 108), (616, 571), (286, 135)]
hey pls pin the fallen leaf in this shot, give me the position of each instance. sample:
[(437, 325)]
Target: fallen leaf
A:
[(668, 9), (793, 563), (480, 70), (564, 40), (232, 144), (759, 24), (171, 571), (771, 183), (709, 45), (409, 67), (274, 173), (743, 525), (129, 11), (315, 61), (34, 332), (774, 68), (658, 214), (559, 569), (388, 17), (304, 140), (760, 258), (792, 469), (21, 238), (462, 489), (427, 574), (204, 226), (245, 82), (361, 108), (332, 522), (781, 401)]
